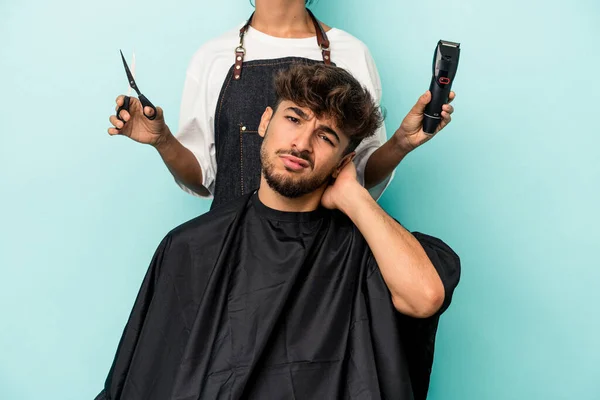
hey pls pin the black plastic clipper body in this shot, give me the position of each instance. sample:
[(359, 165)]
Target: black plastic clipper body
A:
[(445, 64)]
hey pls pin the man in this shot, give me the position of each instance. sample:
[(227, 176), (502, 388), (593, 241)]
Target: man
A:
[(299, 290)]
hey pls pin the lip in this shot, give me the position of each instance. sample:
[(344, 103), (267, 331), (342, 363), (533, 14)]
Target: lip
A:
[(294, 163)]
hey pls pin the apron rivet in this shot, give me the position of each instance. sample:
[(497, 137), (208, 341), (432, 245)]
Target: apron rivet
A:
[(237, 77), (237, 67), (243, 128), (239, 58)]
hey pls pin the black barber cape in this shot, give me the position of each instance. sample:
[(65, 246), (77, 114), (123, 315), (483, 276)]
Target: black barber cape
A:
[(246, 302)]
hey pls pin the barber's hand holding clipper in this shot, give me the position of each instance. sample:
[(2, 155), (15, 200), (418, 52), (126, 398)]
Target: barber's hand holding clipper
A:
[(410, 134), (433, 111)]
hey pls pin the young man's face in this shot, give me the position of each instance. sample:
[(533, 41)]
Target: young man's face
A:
[(300, 152)]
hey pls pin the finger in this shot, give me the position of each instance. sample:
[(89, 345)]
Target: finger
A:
[(451, 97), (441, 126), (448, 108), (419, 107), (133, 102), (148, 111), (446, 118), (113, 131), (120, 100), (117, 123), (159, 113), (443, 122), (125, 116)]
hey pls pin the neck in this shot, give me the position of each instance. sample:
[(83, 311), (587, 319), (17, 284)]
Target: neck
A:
[(283, 18), (272, 199)]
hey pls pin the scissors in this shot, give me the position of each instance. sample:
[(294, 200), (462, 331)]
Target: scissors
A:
[(143, 99)]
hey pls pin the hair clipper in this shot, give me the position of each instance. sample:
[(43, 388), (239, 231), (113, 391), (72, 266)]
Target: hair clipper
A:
[(445, 64)]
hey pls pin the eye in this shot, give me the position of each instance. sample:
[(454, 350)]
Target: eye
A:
[(293, 119), (325, 138)]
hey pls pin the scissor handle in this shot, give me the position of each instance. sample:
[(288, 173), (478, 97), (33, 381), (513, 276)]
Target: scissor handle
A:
[(146, 103), (125, 107)]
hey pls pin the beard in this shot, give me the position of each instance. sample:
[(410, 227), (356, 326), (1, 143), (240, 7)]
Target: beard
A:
[(288, 186)]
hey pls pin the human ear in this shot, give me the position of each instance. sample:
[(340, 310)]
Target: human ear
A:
[(343, 162), (264, 121)]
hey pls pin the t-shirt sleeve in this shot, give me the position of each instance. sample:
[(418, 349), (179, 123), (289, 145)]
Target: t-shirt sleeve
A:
[(368, 146), (195, 131)]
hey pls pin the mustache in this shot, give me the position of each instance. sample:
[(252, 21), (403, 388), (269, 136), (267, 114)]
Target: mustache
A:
[(305, 155)]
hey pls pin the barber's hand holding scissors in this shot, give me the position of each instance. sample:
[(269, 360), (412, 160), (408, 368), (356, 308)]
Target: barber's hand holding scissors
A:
[(138, 119), (136, 125)]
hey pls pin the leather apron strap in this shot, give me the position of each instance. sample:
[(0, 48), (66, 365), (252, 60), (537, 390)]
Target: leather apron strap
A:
[(322, 41)]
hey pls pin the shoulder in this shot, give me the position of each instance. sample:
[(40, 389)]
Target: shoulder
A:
[(344, 40), (352, 54), (348, 235), (211, 226), (219, 43), (217, 50)]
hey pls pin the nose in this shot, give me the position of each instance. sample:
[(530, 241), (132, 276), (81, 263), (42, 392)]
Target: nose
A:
[(303, 140)]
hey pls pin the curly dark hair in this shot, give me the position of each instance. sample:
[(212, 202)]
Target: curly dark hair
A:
[(331, 91)]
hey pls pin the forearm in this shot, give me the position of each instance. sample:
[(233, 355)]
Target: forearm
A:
[(182, 163), (383, 161), (414, 284)]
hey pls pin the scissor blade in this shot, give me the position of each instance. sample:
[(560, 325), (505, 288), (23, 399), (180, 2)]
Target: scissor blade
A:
[(132, 73), (129, 75)]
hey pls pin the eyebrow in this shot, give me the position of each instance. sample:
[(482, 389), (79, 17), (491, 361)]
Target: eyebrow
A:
[(323, 128)]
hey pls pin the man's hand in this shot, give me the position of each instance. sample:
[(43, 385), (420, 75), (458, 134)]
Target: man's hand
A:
[(410, 134), (137, 126), (345, 185)]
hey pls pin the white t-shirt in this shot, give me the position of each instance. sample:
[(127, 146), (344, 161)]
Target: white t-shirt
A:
[(210, 64)]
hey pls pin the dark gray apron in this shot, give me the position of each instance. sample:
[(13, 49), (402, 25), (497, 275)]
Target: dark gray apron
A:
[(248, 89)]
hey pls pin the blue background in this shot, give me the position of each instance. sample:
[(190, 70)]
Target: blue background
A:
[(511, 184)]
